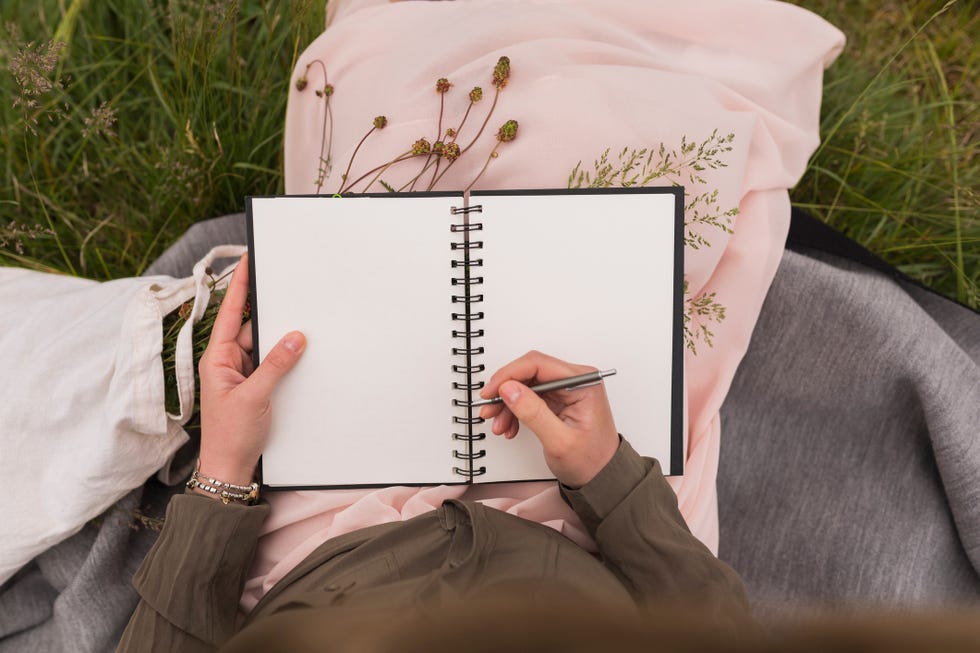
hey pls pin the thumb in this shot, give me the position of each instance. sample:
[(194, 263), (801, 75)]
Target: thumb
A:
[(282, 358), (531, 410)]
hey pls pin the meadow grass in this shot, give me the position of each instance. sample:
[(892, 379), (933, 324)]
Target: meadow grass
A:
[(898, 169), (172, 112), (197, 91)]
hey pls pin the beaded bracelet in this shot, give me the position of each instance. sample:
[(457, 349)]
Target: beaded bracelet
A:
[(227, 492)]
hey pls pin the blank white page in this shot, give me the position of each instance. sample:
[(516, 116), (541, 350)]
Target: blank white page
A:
[(588, 279), (367, 281)]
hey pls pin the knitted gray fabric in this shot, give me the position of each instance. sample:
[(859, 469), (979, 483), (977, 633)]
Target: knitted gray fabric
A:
[(850, 451), (179, 259), (829, 487), (78, 595)]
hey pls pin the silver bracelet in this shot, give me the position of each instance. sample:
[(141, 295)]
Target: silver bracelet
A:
[(227, 492)]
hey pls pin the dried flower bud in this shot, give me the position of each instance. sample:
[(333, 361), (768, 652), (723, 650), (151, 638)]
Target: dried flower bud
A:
[(507, 131), (476, 94), (209, 271), (421, 146), (380, 122), (328, 90), (319, 93), (442, 85), (501, 72), (301, 83), (450, 151), (450, 132)]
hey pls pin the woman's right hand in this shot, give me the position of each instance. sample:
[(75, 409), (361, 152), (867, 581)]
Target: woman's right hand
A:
[(235, 399), (575, 427)]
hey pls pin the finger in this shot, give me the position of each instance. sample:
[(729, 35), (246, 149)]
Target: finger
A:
[(245, 337), (512, 428), (532, 365), (531, 410), (489, 411), (277, 363), (495, 425), (502, 422), (229, 319), (511, 432)]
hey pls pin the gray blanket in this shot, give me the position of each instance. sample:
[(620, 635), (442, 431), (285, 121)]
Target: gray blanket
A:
[(850, 454), (850, 461)]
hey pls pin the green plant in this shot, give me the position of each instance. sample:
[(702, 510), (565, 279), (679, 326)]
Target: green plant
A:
[(898, 168), (129, 121)]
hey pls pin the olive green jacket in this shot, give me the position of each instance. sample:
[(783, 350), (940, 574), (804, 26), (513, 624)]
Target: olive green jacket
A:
[(191, 580)]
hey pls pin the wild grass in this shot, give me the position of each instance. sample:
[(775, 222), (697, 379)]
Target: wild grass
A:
[(899, 166), (155, 115), (169, 113)]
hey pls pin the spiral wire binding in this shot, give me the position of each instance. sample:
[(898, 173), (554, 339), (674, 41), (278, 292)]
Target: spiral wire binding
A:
[(467, 350)]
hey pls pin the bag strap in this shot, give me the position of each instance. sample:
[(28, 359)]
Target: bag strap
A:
[(199, 284)]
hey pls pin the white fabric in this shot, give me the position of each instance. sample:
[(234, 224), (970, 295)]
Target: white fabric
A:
[(82, 414)]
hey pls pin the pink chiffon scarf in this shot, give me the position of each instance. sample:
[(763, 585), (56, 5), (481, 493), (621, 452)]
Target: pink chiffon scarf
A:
[(587, 76)]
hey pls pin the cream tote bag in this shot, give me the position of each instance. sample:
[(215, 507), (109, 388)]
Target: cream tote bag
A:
[(82, 414)]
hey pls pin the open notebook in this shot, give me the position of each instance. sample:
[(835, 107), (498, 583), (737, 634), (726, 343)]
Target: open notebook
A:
[(412, 301)]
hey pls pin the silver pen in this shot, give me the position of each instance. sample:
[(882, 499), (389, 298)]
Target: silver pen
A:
[(571, 383)]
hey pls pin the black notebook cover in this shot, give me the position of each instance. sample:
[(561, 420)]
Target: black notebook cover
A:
[(411, 300)]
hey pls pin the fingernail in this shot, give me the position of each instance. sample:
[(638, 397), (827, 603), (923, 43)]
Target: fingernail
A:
[(293, 341), (510, 391)]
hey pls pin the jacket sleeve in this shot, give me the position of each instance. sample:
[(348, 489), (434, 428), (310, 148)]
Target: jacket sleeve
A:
[(191, 580), (632, 513)]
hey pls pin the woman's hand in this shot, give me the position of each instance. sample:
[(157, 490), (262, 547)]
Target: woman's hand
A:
[(575, 427), (235, 400)]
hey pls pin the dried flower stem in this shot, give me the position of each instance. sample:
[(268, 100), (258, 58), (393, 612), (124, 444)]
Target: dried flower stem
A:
[(325, 163), (325, 142), (475, 139), (425, 166), (485, 121), (452, 139), (385, 167), (428, 164), (401, 157), (435, 173), (493, 155), (506, 133), (411, 182), (462, 122), (343, 178)]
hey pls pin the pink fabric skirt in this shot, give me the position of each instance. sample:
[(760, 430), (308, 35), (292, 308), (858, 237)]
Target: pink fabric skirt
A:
[(587, 76)]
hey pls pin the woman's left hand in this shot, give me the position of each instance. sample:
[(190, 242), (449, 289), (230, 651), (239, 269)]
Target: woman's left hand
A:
[(235, 399)]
